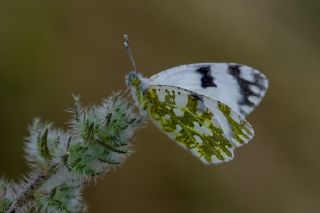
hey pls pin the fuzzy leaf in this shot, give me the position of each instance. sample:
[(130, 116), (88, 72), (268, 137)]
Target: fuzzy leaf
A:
[(7, 195), (60, 195), (43, 145), (4, 205)]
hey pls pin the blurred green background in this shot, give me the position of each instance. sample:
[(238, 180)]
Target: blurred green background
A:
[(50, 49)]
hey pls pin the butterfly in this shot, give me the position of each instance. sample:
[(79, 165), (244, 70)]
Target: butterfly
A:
[(201, 106)]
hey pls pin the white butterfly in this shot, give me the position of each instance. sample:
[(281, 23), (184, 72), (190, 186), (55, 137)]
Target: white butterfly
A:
[(201, 106)]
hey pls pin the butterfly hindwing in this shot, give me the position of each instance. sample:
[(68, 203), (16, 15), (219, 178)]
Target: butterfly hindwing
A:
[(233, 124), (238, 86), (203, 125)]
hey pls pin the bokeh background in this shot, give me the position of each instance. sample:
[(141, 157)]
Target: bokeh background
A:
[(50, 49)]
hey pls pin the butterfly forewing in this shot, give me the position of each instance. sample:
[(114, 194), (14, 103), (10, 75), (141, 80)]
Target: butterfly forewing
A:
[(205, 126), (238, 86)]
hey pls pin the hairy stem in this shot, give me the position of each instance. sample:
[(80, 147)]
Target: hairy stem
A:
[(26, 195)]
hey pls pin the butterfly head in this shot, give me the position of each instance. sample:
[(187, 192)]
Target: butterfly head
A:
[(137, 84), (133, 79)]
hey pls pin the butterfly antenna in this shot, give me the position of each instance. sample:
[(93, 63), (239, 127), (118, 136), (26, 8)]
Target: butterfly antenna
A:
[(127, 90), (128, 50)]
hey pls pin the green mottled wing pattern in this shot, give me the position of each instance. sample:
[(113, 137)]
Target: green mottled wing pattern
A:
[(206, 127)]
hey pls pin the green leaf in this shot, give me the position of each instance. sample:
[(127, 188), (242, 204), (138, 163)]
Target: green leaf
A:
[(43, 146)]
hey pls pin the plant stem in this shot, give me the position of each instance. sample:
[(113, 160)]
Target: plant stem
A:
[(26, 195)]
